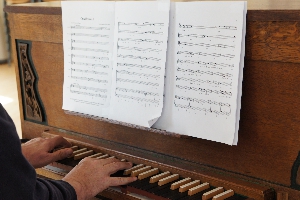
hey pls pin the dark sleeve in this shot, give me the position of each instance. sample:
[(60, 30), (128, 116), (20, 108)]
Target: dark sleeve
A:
[(17, 177)]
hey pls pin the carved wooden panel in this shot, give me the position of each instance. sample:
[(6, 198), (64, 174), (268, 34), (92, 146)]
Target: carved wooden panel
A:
[(33, 108)]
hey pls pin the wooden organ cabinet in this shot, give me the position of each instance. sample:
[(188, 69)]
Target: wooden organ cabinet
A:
[(264, 164)]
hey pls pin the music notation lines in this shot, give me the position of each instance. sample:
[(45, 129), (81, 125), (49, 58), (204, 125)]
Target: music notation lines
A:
[(75, 85), (203, 101), (206, 110), (90, 27), (205, 45), (90, 64), (206, 36), (139, 49), (137, 82), (145, 93), (203, 81), (139, 66), (138, 57), (142, 24), (140, 40), (137, 98), (137, 74), (90, 35), (224, 75), (205, 63), (89, 79), (141, 32), (207, 27), (206, 91), (206, 54), (89, 57), (89, 49), (88, 71), (89, 94), (88, 42)]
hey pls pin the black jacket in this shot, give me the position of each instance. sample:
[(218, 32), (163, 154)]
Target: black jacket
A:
[(17, 177)]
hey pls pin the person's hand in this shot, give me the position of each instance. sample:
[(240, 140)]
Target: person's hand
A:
[(92, 176), (39, 153)]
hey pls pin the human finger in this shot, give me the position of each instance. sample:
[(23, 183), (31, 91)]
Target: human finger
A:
[(116, 166), (116, 181), (58, 141), (61, 154), (107, 161)]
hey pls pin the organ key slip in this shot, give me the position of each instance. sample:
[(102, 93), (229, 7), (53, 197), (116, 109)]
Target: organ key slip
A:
[(263, 166)]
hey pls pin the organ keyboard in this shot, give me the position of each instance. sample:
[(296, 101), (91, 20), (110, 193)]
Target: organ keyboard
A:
[(265, 163)]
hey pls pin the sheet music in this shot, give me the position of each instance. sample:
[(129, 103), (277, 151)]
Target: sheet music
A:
[(88, 48), (139, 67), (204, 89)]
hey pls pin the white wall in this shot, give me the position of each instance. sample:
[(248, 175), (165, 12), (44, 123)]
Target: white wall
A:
[(3, 39)]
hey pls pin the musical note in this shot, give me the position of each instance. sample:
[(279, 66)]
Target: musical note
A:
[(202, 101), (139, 66), (89, 94), (224, 75), (89, 42), (206, 110), (206, 54), (205, 63)]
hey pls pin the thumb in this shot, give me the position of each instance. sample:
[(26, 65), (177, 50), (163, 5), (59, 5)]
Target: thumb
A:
[(62, 154)]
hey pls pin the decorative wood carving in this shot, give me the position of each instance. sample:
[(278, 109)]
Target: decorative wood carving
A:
[(33, 109)]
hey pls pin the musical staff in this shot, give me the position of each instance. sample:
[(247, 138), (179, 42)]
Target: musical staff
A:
[(88, 42), (89, 71), (140, 40), (206, 54), (141, 24), (138, 57), (137, 74), (184, 26), (205, 91), (139, 49), (90, 27), (89, 94), (137, 82), (89, 57), (143, 92), (204, 109), (205, 63), (139, 99), (224, 75), (203, 101), (90, 64), (205, 45), (139, 66), (76, 85), (90, 35), (89, 49), (203, 81), (89, 79), (141, 32), (206, 36)]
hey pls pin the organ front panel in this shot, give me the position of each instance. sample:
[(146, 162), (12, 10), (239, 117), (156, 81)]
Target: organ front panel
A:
[(264, 164)]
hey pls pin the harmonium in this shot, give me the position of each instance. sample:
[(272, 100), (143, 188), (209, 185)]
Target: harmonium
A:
[(263, 166)]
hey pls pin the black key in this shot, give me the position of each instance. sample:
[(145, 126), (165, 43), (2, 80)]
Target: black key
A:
[(237, 197), (196, 196)]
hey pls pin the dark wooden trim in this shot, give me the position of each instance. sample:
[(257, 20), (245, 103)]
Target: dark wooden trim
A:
[(33, 10)]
